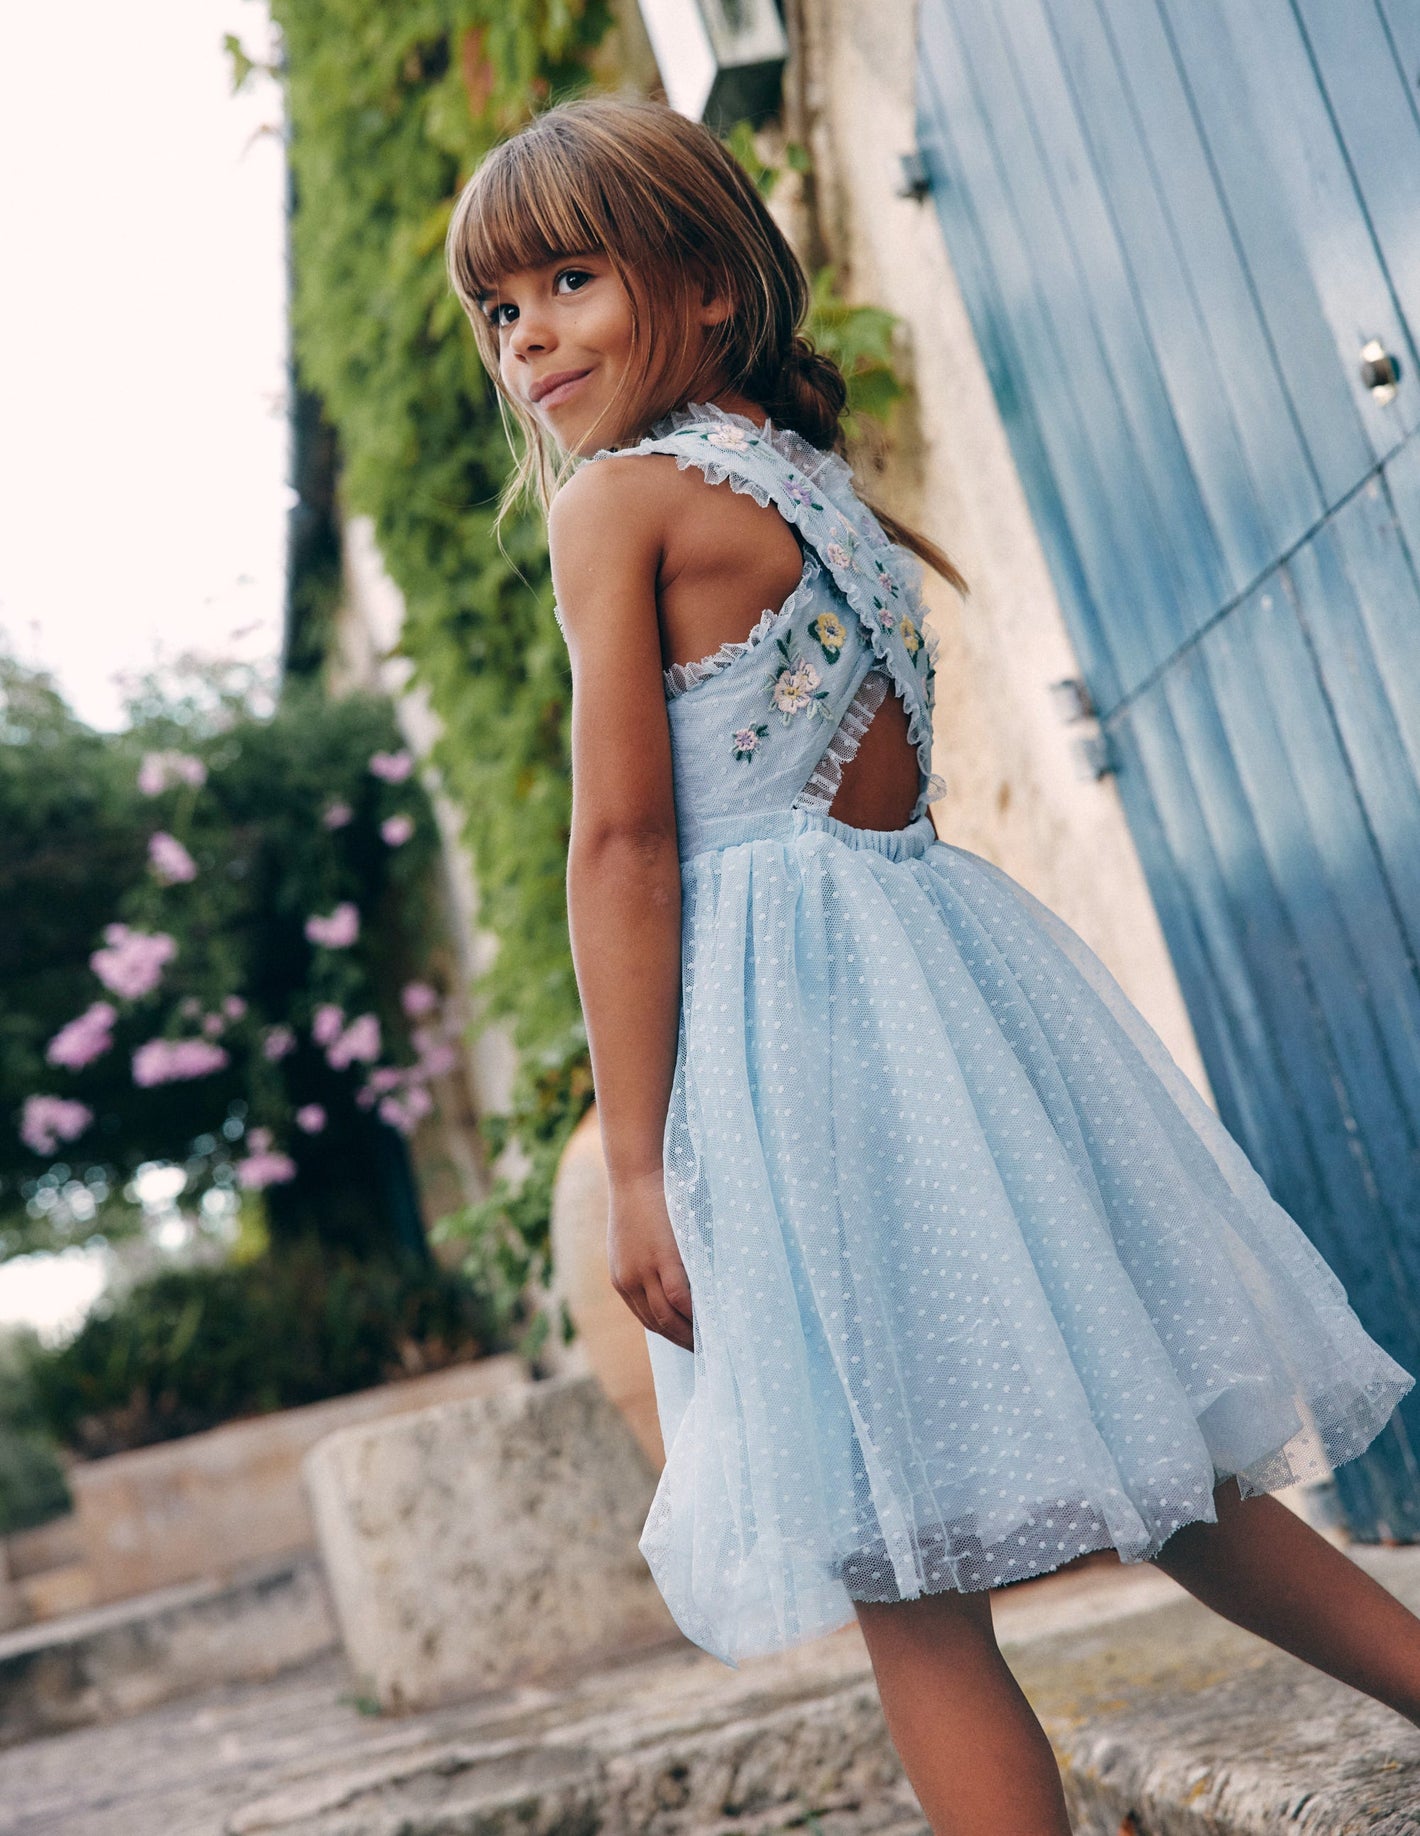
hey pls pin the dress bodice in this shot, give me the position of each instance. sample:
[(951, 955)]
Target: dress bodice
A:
[(768, 722)]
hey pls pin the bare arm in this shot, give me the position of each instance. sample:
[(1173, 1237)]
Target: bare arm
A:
[(623, 870)]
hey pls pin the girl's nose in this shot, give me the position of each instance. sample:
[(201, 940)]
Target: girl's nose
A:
[(529, 332)]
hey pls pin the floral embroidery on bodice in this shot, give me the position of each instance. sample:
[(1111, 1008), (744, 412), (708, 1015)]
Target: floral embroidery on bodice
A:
[(770, 721)]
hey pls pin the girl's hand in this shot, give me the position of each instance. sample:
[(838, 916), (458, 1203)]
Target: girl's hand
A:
[(646, 1268)]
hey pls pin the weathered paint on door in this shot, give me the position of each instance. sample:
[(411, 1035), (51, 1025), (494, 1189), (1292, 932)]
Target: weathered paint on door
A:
[(1176, 224)]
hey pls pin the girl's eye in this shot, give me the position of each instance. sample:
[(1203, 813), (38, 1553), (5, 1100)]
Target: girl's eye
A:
[(494, 313)]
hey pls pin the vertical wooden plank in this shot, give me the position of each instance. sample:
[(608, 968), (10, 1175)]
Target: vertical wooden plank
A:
[(1002, 294), (1313, 280), (1122, 503), (1374, 111), (1198, 262), (1104, 283), (1358, 601), (1005, 371)]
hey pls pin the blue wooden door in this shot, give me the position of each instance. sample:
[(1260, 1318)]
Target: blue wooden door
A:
[(1179, 224)]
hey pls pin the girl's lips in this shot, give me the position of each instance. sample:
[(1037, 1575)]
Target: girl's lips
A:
[(555, 397)]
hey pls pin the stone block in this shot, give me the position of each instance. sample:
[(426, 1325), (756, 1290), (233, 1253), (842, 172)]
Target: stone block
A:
[(488, 1541), (207, 1505)]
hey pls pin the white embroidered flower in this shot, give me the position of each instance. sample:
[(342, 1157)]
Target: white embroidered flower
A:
[(838, 555), (734, 439), (794, 687)]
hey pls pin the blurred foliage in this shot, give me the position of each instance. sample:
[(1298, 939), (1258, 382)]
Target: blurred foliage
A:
[(32, 1484), (389, 111), (193, 1347), (76, 827)]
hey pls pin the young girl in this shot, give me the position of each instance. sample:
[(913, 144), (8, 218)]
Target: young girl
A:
[(947, 1273)]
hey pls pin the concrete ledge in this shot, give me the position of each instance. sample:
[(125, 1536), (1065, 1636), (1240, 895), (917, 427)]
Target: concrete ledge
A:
[(119, 1659), (1186, 1725)]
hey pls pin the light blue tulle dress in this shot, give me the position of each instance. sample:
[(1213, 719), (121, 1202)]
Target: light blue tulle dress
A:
[(979, 1283)]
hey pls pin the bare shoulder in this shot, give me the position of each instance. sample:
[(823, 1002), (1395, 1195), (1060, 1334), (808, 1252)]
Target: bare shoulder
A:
[(626, 492)]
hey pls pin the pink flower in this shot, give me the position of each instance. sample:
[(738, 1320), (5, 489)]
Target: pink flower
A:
[(438, 1059), (160, 769), (384, 1078), (132, 965), (213, 1026), (258, 1139), (48, 1120), (397, 829), (170, 861), (84, 1038), (277, 1042), (340, 928), (259, 1170), (170, 1061), (418, 998), (233, 1006), (327, 1023), (365, 1097), (336, 815), (393, 767), (310, 1117), (406, 1112), (360, 1040)]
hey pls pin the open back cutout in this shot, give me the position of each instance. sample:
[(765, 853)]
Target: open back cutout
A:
[(869, 775)]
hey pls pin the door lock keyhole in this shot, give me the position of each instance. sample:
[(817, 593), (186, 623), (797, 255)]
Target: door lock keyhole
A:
[(1379, 370)]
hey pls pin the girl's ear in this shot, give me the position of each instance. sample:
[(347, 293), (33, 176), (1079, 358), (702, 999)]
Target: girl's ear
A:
[(716, 304)]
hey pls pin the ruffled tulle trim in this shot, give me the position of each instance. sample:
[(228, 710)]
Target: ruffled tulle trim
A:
[(683, 676)]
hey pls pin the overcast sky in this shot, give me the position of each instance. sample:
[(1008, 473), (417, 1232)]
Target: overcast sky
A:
[(142, 341)]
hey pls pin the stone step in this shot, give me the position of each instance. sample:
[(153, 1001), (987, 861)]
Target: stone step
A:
[(1166, 1720), (120, 1659)]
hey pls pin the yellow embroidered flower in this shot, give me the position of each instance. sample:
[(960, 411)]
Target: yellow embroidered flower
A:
[(910, 635), (830, 633)]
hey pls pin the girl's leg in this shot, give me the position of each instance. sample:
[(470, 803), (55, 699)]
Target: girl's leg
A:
[(973, 1751), (1265, 1569)]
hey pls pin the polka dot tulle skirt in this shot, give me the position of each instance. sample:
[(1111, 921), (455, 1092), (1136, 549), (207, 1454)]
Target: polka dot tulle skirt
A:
[(979, 1283)]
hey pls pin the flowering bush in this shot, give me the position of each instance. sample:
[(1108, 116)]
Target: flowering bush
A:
[(201, 967)]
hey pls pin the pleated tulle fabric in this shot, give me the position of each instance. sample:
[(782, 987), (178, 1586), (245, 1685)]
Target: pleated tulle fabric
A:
[(978, 1281)]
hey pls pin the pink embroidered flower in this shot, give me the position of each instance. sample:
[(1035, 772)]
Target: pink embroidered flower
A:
[(418, 998), (337, 930), (170, 861), (397, 829), (47, 1120), (393, 767), (132, 965), (838, 554), (732, 439), (336, 815), (326, 1025), (745, 742), (259, 1170), (83, 1039), (276, 1042), (160, 769), (360, 1040), (171, 1061), (311, 1118)]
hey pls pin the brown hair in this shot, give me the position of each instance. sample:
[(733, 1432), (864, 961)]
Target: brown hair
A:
[(673, 211)]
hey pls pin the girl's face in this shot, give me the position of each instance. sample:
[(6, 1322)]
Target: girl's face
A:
[(564, 344)]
